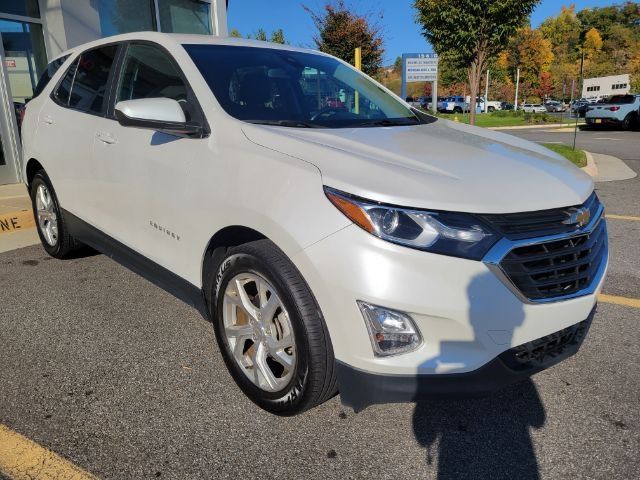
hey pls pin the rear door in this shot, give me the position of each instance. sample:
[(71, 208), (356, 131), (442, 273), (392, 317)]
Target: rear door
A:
[(67, 128)]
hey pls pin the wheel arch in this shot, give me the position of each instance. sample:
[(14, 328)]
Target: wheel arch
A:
[(220, 242), (33, 166)]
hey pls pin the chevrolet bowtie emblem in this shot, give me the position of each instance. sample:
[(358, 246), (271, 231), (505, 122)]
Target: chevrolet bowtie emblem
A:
[(578, 217)]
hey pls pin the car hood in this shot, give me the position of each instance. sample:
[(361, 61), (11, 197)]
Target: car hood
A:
[(441, 166)]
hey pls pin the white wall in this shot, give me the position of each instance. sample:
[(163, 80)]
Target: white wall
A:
[(68, 23), (605, 84)]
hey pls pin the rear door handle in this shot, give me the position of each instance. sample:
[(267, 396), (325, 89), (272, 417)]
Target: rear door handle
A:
[(105, 137), (48, 120)]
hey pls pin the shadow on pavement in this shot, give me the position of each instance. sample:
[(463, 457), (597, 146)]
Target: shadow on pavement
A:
[(482, 438)]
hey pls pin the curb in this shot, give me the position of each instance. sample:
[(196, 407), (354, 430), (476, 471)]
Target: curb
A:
[(529, 127), (16, 221), (591, 168)]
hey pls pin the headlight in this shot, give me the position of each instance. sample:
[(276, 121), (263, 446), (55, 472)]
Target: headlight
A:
[(455, 234)]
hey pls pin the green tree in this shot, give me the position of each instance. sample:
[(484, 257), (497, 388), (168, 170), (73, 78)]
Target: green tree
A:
[(397, 65), (261, 35), (471, 32), (341, 30), (235, 33), (277, 36)]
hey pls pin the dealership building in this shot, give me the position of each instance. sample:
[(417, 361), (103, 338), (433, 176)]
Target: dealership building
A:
[(596, 88), (32, 32)]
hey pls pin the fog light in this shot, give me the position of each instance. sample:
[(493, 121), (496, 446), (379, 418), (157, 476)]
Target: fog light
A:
[(391, 332)]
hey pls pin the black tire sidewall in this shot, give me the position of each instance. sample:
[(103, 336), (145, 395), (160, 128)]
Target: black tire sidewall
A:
[(287, 400), (41, 178)]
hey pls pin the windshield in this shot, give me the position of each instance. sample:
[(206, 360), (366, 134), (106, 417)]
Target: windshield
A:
[(621, 99), (294, 89)]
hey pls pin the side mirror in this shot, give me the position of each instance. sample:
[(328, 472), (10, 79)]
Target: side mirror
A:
[(161, 114)]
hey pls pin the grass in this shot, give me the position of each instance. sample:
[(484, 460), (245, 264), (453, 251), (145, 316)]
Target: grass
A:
[(504, 118), (578, 157)]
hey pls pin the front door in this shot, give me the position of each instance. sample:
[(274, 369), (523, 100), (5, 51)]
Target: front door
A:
[(145, 173)]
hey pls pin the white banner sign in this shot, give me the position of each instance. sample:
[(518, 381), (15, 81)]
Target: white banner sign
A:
[(421, 69)]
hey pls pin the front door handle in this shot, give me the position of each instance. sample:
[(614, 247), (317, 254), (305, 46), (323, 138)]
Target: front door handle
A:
[(105, 137), (48, 120)]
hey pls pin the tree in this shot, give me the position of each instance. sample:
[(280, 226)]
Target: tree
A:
[(261, 35), (235, 33), (341, 30), (397, 65), (532, 53), (471, 32), (592, 42), (277, 36)]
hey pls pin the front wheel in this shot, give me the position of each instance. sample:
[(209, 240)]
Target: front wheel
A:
[(491, 109), (270, 330), (457, 110)]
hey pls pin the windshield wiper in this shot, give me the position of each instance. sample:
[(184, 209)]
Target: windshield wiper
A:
[(286, 123)]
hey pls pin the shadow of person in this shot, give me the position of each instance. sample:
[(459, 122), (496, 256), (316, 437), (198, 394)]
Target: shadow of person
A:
[(482, 438)]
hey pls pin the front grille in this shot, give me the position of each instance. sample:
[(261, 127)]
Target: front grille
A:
[(540, 223), (543, 351), (556, 268)]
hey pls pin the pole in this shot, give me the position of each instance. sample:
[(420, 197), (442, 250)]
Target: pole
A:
[(575, 128), (358, 64), (515, 104), (486, 94), (403, 87)]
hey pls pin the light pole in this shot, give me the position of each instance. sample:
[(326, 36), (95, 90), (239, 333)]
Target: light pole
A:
[(575, 128)]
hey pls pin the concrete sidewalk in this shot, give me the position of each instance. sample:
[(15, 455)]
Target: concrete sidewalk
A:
[(17, 226)]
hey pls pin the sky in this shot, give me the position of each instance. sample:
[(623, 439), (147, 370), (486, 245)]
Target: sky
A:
[(401, 33)]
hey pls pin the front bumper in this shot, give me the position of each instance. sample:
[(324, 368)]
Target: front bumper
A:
[(359, 389)]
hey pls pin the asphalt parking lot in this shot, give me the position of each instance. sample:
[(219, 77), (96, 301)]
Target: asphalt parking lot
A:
[(123, 380)]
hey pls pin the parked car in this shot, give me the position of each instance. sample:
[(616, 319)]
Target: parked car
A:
[(555, 106), (620, 110), (414, 102), (492, 106), (533, 108), (506, 106), (579, 107), (329, 248), (453, 104)]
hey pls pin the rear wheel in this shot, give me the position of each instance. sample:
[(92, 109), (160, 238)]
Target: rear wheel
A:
[(50, 222), (457, 110), (491, 109), (627, 122), (270, 330)]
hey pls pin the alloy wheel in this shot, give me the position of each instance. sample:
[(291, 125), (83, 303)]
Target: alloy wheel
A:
[(47, 217), (259, 331)]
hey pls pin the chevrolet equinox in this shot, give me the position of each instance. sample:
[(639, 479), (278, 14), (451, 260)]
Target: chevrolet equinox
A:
[(338, 239)]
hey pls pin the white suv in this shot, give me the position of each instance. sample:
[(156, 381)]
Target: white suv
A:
[(338, 239)]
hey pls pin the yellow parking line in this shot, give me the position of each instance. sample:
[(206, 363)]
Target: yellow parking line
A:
[(20, 458), (623, 217), (624, 301)]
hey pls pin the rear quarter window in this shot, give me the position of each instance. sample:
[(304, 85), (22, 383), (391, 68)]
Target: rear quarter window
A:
[(48, 74)]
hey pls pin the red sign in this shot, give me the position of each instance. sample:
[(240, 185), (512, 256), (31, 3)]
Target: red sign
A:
[(10, 63)]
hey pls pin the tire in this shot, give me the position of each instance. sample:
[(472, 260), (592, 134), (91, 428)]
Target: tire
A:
[(627, 122), (297, 326), (56, 240), (491, 109), (457, 110)]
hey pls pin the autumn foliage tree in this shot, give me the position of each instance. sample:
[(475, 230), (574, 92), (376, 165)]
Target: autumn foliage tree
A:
[(341, 30), (471, 32)]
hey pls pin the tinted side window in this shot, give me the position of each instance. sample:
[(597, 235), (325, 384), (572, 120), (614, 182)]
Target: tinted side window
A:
[(90, 84), (148, 72), (62, 92), (49, 72)]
